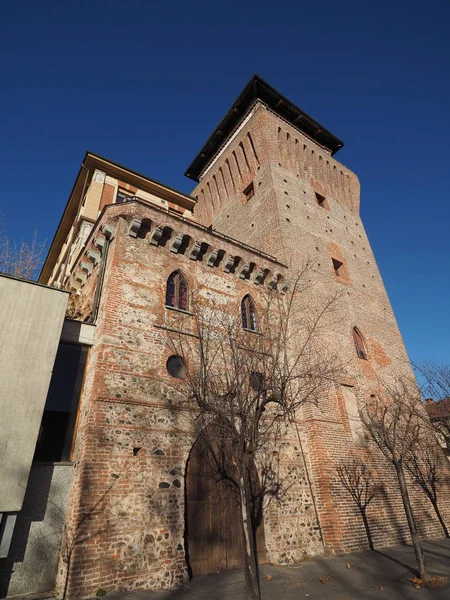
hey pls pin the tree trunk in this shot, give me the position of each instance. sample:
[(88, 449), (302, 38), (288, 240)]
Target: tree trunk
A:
[(439, 516), (251, 566), (367, 528), (415, 539)]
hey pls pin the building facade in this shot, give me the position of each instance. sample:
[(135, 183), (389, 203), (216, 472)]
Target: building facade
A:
[(269, 195)]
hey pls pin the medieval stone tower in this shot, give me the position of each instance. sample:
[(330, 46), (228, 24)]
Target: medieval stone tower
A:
[(270, 195)]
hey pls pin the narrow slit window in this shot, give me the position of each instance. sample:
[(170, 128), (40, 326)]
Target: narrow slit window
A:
[(249, 191), (177, 291), (337, 266), (248, 312), (321, 201), (359, 344), (257, 381)]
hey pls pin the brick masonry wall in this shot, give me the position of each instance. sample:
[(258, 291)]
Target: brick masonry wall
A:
[(293, 170), (128, 511), (126, 507)]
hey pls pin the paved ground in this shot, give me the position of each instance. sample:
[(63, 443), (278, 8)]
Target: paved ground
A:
[(390, 568), (382, 574)]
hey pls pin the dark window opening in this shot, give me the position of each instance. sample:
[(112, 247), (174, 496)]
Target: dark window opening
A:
[(321, 200), (249, 191), (177, 292), (123, 196), (58, 424), (248, 312), (337, 264), (257, 381), (176, 366), (359, 344)]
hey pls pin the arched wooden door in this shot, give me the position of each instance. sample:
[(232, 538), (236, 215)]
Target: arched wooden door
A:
[(215, 540)]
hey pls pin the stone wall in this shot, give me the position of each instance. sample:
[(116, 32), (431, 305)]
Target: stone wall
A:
[(127, 501)]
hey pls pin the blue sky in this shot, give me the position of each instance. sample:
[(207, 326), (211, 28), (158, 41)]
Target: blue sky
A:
[(145, 82)]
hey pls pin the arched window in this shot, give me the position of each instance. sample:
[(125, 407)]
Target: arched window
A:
[(248, 312), (359, 344), (177, 291)]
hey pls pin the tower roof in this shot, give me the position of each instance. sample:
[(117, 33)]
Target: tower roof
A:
[(258, 89)]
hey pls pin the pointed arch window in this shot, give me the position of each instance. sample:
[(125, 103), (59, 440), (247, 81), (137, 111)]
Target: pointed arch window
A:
[(359, 344), (177, 291), (248, 312)]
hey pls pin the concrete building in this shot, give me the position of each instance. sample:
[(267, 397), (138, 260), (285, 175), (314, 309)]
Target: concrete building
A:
[(42, 360), (269, 193)]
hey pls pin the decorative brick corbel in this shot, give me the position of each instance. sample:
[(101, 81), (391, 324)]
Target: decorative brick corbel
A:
[(229, 264), (273, 282), (86, 267), (99, 243), (195, 251), (108, 231), (94, 256), (156, 236), (244, 271), (260, 276), (134, 227), (176, 244), (81, 277), (212, 258)]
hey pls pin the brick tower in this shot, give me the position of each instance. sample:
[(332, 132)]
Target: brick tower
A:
[(270, 195), (267, 175)]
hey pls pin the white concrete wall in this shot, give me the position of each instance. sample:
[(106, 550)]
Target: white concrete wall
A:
[(31, 319)]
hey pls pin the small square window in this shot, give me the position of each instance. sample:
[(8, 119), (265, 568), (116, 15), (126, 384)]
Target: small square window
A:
[(249, 191), (337, 264), (321, 201)]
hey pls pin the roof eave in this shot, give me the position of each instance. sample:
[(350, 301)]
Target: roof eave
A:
[(92, 161), (258, 88)]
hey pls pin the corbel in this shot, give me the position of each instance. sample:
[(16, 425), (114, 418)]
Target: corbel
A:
[(134, 227)]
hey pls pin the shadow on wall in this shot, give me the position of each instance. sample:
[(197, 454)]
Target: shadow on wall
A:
[(32, 561), (127, 509), (395, 517)]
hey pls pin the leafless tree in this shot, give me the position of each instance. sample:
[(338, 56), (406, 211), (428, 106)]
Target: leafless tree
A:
[(427, 467), (435, 379), (242, 389), (20, 260), (395, 421), (357, 479)]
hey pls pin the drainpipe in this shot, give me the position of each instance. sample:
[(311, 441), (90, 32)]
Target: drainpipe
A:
[(108, 233)]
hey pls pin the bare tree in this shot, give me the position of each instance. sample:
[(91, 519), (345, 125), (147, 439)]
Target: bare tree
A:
[(20, 260), (435, 379), (395, 421), (427, 467), (357, 479), (242, 389)]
